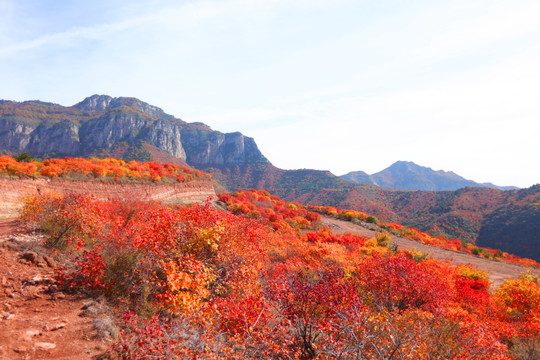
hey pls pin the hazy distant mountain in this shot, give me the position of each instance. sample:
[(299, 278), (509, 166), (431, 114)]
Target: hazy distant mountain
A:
[(406, 175), (360, 177)]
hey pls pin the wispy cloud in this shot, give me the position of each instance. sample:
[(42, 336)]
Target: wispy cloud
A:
[(66, 37), (325, 77)]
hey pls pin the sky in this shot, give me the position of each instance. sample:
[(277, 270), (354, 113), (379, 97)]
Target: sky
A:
[(339, 85)]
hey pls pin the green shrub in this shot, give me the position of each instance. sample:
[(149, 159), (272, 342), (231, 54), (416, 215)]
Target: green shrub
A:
[(383, 239), (372, 219), (23, 157)]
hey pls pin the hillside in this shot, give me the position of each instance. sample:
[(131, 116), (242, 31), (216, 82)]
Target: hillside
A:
[(462, 214), (262, 276), (497, 270), (406, 175), (270, 278), (130, 129), (105, 179), (515, 227)]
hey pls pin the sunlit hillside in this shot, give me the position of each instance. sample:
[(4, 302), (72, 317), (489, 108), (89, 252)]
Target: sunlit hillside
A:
[(265, 279)]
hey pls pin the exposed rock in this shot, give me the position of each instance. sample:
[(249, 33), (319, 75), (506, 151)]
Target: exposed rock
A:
[(38, 279), (206, 148), (30, 334), (55, 327), (32, 292), (50, 261), (104, 132), (95, 103), (100, 122), (30, 256), (45, 346), (20, 349)]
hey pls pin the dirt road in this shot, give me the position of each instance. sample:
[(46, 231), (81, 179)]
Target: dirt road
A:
[(497, 270)]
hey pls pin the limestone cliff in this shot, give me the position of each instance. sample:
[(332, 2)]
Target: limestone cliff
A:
[(102, 125)]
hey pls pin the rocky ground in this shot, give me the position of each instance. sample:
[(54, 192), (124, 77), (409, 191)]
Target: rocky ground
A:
[(39, 319)]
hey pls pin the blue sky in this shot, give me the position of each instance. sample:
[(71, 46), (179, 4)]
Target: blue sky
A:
[(325, 84)]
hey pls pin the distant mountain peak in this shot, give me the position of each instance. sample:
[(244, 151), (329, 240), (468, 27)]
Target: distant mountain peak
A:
[(406, 175), (106, 102), (94, 103)]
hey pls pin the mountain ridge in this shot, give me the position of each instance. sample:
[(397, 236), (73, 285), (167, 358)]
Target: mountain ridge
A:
[(107, 126), (406, 175)]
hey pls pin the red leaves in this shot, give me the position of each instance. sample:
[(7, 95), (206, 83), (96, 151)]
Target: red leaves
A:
[(316, 294), (472, 294), (326, 235), (178, 257), (239, 287), (236, 316), (259, 204), (91, 270), (398, 282)]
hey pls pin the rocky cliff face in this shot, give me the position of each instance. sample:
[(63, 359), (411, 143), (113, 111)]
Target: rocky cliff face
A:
[(19, 137), (114, 127), (212, 148), (99, 123)]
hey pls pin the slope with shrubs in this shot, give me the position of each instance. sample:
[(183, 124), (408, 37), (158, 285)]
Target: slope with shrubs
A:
[(260, 204), (104, 169), (464, 214), (268, 281)]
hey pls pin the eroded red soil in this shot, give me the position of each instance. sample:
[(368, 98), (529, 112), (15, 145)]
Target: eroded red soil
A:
[(38, 320)]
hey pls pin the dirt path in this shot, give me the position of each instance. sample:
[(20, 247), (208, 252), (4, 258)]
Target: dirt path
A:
[(8, 226), (497, 270), (37, 319)]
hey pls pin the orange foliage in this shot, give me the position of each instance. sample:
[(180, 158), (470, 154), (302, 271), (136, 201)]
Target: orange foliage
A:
[(108, 168), (415, 234)]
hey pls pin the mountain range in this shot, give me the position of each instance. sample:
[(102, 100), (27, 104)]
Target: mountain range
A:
[(122, 127), (406, 175), (440, 202)]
